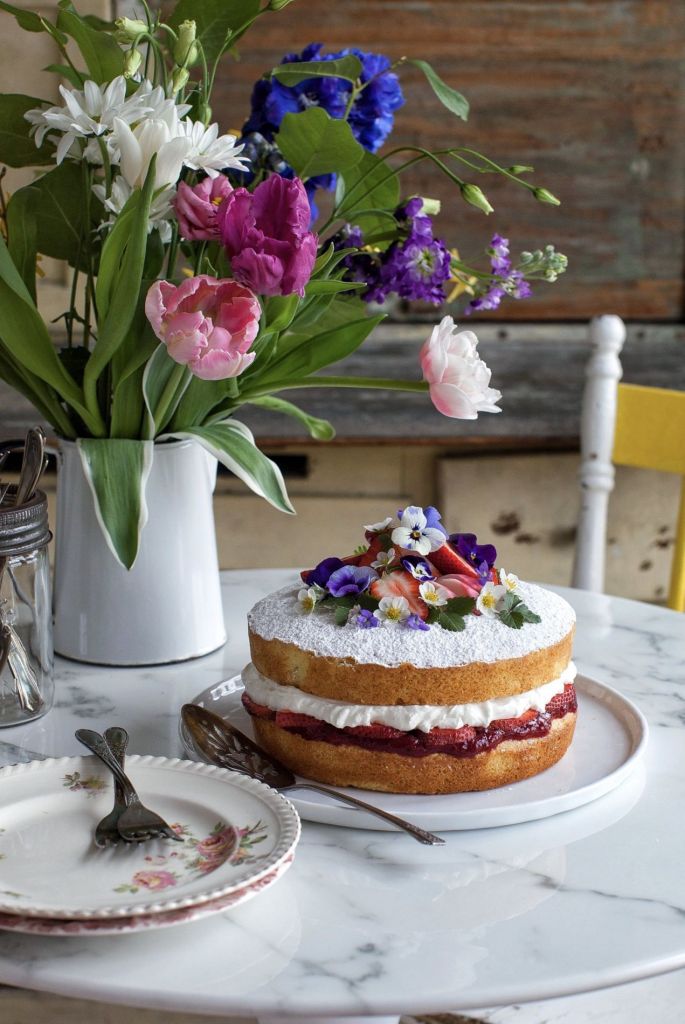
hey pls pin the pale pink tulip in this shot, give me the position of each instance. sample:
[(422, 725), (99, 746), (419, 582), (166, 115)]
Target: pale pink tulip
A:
[(206, 324), (459, 380)]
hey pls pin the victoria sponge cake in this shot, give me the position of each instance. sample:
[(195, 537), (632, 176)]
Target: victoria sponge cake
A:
[(413, 666)]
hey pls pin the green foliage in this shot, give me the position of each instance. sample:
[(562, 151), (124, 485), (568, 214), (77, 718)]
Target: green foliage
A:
[(349, 68), (302, 356), (368, 185), (217, 21), (320, 430), (17, 147), (514, 612), (315, 143), (22, 237), (449, 97), (103, 56)]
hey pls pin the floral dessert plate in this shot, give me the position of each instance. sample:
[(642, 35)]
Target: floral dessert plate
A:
[(235, 833), (609, 742)]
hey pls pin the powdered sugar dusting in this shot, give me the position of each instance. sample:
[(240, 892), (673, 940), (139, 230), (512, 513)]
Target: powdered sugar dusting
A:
[(485, 639)]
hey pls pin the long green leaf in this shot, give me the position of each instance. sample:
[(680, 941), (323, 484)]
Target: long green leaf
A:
[(164, 382), (234, 446), (28, 20), (314, 143), (215, 20), (57, 202), (17, 147), (349, 68), (117, 473), (113, 252), (128, 407), (319, 429), (308, 355), (103, 56), (449, 97), (21, 237), (39, 394)]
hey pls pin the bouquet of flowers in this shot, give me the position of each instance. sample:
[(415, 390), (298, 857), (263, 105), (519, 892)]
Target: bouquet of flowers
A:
[(204, 277)]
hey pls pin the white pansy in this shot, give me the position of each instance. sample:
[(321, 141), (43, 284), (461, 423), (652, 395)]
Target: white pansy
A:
[(308, 598), (393, 611), (161, 211), (414, 534), (490, 600), (379, 527), (508, 580), (210, 152), (434, 594), (383, 559)]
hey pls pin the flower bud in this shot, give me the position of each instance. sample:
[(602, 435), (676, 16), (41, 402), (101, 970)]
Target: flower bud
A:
[(473, 195), (430, 207), (185, 48), (203, 112), (179, 80), (132, 62), (543, 196), (129, 29), (520, 169)]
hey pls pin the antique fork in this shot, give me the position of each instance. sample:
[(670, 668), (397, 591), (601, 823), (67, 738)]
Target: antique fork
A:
[(106, 831), (137, 823)]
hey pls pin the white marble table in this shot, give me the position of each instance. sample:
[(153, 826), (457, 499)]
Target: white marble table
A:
[(370, 924)]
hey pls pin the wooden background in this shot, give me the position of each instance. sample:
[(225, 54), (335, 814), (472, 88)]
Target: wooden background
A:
[(590, 92)]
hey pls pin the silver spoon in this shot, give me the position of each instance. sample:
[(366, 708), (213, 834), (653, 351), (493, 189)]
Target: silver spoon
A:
[(224, 745), (32, 466)]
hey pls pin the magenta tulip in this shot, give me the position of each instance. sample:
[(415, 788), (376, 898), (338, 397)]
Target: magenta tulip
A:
[(206, 324), (196, 208), (266, 236)]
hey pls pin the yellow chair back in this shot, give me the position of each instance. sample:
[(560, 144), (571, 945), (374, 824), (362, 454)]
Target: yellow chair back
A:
[(650, 434)]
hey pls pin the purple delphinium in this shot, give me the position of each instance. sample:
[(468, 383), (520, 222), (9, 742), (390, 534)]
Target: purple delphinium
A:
[(351, 579), (415, 622), (321, 573), (465, 544), (418, 567), (505, 280), (366, 619)]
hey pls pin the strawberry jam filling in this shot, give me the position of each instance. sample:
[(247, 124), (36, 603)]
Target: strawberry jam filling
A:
[(467, 741)]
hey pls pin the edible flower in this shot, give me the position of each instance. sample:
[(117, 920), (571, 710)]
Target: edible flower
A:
[(508, 580), (351, 579), (321, 573), (490, 599), (309, 598), (466, 546), (415, 534), (434, 594), (393, 611), (383, 559), (418, 567), (363, 617), (415, 622)]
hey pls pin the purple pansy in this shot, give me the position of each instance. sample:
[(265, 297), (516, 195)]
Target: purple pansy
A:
[(433, 518), (351, 579), (476, 554), (366, 619), (415, 622), (418, 567), (321, 573)]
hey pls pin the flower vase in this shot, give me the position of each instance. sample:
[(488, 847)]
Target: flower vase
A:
[(167, 607)]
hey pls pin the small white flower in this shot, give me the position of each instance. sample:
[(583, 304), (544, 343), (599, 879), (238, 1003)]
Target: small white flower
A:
[(508, 580), (210, 152), (383, 559), (160, 208), (308, 598), (379, 527), (393, 611), (434, 594), (489, 601), (414, 534)]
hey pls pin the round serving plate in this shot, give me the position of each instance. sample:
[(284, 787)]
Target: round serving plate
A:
[(235, 833), (608, 745)]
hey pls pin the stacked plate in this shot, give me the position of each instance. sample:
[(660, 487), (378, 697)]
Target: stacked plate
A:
[(239, 838)]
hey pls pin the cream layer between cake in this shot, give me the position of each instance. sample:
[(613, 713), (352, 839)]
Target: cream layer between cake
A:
[(423, 717), (484, 639)]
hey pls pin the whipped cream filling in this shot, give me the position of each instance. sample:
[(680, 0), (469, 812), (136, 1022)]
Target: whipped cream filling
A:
[(406, 716)]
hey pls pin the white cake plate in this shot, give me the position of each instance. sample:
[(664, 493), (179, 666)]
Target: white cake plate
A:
[(609, 743)]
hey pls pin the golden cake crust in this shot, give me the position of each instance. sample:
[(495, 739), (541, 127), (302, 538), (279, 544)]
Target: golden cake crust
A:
[(510, 761), (357, 683)]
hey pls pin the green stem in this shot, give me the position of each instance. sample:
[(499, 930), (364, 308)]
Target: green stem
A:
[(383, 383), (173, 251), (171, 395)]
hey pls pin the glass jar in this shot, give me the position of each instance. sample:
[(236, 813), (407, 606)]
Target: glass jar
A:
[(26, 653)]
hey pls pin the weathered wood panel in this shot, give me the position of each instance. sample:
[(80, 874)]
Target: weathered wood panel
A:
[(590, 92)]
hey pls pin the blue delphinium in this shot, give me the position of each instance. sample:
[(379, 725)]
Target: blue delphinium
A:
[(370, 117)]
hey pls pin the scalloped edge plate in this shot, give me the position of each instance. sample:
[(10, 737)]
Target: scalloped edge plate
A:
[(609, 743), (236, 832)]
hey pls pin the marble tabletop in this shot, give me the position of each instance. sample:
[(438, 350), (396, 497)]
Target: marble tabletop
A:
[(369, 924)]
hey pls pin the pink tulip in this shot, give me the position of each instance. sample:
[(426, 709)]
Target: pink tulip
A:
[(267, 238), (459, 380), (461, 586), (207, 325), (196, 208)]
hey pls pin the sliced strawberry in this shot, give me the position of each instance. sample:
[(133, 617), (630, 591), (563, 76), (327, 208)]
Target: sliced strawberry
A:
[(563, 702), (255, 709), (508, 724), (445, 737), (375, 731), (400, 584), (447, 561), (294, 720)]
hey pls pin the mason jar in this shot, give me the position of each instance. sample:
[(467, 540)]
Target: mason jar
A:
[(26, 652)]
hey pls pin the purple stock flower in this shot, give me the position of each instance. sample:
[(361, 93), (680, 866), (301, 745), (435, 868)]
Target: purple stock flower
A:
[(366, 619), (321, 573), (351, 579), (415, 622), (418, 567), (505, 280), (499, 255), (476, 554)]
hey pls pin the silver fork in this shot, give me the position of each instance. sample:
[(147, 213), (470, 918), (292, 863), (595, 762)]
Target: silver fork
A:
[(106, 831), (137, 823)]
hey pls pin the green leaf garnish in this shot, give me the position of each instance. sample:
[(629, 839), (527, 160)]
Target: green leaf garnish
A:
[(460, 605), (451, 621)]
